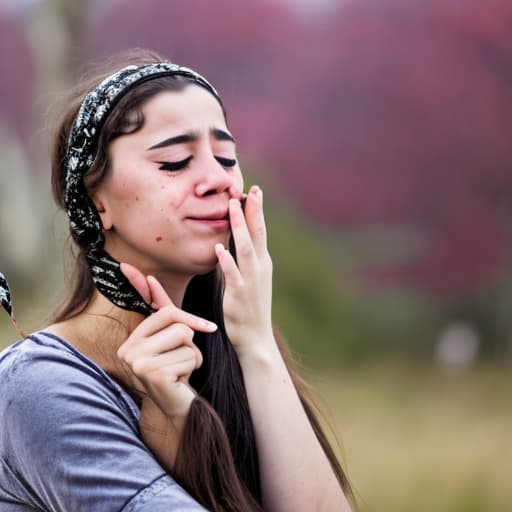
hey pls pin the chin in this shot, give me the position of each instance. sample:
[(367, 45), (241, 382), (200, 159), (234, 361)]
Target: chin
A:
[(204, 267)]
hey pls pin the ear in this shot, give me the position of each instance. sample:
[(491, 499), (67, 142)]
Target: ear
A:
[(104, 212)]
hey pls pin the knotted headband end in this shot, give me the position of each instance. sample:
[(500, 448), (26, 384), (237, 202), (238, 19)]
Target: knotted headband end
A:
[(6, 302)]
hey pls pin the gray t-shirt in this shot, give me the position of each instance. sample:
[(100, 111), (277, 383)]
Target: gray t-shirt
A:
[(69, 438)]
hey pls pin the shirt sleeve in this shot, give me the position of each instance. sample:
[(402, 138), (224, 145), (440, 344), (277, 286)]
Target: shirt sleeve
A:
[(71, 446)]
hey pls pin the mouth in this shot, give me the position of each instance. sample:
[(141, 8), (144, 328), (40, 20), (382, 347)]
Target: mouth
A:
[(218, 220)]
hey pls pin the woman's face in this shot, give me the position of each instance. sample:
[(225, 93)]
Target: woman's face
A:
[(164, 202)]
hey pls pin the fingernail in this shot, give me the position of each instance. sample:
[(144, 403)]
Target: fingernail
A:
[(210, 326), (219, 247)]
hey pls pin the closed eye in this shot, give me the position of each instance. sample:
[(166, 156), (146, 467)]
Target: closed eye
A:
[(182, 164), (225, 162), (174, 166)]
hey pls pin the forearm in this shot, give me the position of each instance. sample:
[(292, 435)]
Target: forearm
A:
[(295, 472)]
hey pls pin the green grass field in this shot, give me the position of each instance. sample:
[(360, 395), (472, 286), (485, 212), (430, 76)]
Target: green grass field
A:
[(417, 439)]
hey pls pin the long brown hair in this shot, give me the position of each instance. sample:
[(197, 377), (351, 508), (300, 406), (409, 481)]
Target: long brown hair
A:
[(217, 460)]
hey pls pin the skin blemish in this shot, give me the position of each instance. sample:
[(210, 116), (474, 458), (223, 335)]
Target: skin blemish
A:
[(158, 238), (136, 198)]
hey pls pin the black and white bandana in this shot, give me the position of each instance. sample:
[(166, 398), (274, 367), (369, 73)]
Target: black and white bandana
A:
[(6, 303), (85, 222), (5, 296)]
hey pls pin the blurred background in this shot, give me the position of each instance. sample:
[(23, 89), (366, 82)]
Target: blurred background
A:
[(380, 131)]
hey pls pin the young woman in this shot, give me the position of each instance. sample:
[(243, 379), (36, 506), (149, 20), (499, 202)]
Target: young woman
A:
[(161, 384)]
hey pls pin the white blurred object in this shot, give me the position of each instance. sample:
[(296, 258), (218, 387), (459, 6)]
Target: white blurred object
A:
[(457, 345), (19, 6)]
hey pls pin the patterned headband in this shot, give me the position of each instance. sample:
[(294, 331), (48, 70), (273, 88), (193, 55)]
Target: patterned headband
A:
[(5, 302), (85, 222)]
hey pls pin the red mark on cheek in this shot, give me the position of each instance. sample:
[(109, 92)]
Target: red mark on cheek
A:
[(136, 198), (158, 238)]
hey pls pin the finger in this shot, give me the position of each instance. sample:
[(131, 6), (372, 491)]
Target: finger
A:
[(170, 361), (170, 339), (160, 346), (243, 243), (174, 336), (228, 266), (255, 219), (162, 299), (165, 340), (163, 318), (137, 280), (158, 293)]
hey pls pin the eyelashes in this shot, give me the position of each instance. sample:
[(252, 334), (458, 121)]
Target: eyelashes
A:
[(183, 164), (174, 166), (226, 162)]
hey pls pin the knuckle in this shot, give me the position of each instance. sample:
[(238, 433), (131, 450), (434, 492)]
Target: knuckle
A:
[(260, 230), (167, 313), (184, 331), (199, 360), (128, 358), (139, 367), (190, 353), (266, 264), (245, 250)]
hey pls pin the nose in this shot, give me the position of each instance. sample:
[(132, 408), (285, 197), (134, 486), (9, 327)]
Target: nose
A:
[(215, 179)]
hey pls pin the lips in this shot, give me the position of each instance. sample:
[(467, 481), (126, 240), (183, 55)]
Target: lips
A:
[(215, 219), (213, 216)]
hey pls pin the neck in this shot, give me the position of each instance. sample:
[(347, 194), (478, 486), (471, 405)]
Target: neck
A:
[(174, 285)]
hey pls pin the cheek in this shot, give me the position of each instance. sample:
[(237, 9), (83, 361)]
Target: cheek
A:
[(125, 190), (238, 181)]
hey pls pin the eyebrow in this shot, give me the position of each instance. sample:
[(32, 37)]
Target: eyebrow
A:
[(216, 133)]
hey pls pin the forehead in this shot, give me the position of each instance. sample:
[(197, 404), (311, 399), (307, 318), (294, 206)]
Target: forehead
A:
[(191, 108)]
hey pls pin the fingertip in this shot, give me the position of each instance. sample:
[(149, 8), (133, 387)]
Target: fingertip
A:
[(153, 280), (127, 269), (210, 326)]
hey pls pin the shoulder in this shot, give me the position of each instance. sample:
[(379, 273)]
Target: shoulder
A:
[(68, 442), (43, 359), (43, 374)]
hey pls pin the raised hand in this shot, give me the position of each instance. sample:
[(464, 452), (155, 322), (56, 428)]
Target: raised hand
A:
[(159, 352), (248, 293)]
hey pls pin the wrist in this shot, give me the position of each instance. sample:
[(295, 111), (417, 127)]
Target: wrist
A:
[(261, 354), (162, 415)]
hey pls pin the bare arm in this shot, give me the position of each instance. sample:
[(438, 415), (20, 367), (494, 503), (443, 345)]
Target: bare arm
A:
[(295, 472)]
